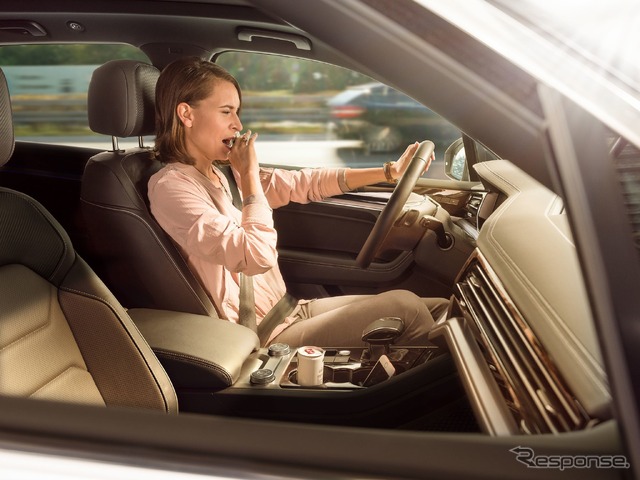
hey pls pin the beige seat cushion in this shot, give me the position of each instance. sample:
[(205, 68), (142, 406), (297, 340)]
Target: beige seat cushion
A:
[(39, 356)]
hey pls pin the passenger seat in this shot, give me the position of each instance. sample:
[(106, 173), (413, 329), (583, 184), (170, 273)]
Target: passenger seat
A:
[(63, 335)]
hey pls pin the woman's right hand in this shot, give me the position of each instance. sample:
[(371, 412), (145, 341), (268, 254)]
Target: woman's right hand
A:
[(244, 160), (243, 157)]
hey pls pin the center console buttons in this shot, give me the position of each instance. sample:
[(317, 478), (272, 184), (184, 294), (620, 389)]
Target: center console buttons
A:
[(279, 350), (262, 376)]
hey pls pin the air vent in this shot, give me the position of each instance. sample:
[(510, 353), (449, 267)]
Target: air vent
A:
[(627, 158), (529, 383), (473, 207)]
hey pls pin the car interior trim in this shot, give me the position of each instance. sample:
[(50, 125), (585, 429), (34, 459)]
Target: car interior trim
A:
[(552, 299)]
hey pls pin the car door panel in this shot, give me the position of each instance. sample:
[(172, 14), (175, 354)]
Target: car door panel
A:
[(318, 244)]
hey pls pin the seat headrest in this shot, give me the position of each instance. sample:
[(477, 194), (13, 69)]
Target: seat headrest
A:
[(7, 140), (121, 98)]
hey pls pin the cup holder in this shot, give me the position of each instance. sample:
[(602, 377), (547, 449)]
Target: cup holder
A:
[(344, 369), (341, 376)]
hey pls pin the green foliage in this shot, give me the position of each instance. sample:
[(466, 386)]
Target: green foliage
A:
[(260, 72), (255, 72), (88, 54)]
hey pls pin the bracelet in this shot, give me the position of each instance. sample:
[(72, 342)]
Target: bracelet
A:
[(386, 168), (342, 181)]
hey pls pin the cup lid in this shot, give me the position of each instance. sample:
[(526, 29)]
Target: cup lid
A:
[(310, 352)]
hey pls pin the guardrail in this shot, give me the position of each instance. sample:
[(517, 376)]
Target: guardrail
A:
[(64, 111), (74, 111)]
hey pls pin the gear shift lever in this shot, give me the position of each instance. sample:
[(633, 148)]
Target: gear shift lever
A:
[(379, 335)]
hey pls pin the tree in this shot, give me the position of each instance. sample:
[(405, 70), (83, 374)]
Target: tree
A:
[(259, 72)]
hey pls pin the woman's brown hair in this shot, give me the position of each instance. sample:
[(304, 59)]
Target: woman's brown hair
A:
[(188, 80)]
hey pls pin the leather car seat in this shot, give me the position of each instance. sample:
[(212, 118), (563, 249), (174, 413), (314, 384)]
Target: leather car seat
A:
[(63, 335), (128, 249)]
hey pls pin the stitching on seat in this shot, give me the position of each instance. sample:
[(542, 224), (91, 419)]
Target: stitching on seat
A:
[(47, 321), (69, 368), (89, 295), (28, 334), (135, 342)]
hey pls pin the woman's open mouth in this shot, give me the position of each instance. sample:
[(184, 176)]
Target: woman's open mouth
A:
[(229, 141)]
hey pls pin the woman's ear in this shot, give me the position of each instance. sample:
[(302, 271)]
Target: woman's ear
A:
[(184, 112)]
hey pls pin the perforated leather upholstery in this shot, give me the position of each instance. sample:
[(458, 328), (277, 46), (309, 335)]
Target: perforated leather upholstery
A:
[(63, 335), (129, 250), (121, 98)]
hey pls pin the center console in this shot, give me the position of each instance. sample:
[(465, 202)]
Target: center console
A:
[(218, 367), (341, 369)]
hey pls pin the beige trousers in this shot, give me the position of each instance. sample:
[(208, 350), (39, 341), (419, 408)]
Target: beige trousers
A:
[(340, 321)]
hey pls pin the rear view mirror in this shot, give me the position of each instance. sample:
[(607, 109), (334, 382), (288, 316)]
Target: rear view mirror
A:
[(455, 161)]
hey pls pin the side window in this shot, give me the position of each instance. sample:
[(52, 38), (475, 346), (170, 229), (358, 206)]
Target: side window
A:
[(310, 114), (48, 85)]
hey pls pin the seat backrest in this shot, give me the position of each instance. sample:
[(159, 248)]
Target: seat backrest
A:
[(128, 249), (63, 335)]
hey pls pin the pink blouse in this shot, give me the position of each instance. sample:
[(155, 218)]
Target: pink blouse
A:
[(219, 241)]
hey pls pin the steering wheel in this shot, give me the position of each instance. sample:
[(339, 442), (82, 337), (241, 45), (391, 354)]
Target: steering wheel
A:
[(394, 206)]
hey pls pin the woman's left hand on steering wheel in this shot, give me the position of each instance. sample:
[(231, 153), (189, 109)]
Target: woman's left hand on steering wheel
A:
[(419, 160), (400, 166)]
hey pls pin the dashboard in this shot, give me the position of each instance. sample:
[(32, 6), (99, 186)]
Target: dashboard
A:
[(520, 327)]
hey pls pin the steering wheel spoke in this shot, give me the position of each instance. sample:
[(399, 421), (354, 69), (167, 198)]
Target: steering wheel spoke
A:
[(394, 206)]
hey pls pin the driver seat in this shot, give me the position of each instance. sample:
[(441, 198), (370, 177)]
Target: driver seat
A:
[(63, 335), (129, 250)]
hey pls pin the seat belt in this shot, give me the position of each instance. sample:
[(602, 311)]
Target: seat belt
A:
[(275, 316), (247, 309), (225, 168)]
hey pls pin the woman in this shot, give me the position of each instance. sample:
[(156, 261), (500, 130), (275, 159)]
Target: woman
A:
[(197, 123)]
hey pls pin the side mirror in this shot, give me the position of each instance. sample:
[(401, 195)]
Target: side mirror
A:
[(455, 161)]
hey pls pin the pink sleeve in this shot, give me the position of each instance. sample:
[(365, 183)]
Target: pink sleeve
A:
[(184, 209), (300, 186)]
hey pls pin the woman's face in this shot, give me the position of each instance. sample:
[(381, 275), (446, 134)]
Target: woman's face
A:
[(212, 122)]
